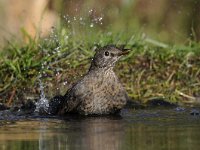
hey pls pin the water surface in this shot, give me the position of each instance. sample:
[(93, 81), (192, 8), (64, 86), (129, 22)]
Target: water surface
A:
[(135, 129)]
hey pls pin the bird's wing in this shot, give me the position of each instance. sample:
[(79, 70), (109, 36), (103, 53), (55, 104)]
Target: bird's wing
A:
[(70, 103), (74, 97)]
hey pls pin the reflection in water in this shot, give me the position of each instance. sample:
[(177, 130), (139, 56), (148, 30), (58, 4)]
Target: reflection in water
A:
[(41, 140), (162, 138), (135, 130), (95, 133), (98, 133)]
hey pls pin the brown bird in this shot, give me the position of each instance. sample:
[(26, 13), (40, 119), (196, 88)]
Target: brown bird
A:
[(99, 91)]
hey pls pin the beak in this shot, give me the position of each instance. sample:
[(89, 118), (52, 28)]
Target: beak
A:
[(124, 52)]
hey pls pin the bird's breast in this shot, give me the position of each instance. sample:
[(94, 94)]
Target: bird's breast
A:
[(101, 96)]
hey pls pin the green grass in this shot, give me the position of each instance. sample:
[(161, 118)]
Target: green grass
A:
[(151, 70)]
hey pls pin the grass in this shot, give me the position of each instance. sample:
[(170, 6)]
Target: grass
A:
[(152, 70)]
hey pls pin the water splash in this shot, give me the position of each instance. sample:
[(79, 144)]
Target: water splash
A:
[(43, 104), (89, 19)]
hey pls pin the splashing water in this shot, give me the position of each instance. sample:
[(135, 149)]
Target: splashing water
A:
[(90, 19), (43, 104)]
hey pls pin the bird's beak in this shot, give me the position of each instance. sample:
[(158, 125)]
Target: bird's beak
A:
[(124, 52)]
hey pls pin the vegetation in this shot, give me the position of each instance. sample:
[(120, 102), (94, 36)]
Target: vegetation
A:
[(152, 69)]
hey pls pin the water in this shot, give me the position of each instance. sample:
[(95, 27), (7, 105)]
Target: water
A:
[(135, 129), (43, 104)]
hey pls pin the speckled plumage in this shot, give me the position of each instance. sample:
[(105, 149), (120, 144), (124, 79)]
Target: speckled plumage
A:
[(99, 91)]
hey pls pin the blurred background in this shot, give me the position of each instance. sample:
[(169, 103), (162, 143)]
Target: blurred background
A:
[(171, 21)]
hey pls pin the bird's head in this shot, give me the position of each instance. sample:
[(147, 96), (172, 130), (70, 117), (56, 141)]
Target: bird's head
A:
[(107, 56)]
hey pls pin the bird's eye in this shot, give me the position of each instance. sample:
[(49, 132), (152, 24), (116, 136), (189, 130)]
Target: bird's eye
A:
[(106, 53)]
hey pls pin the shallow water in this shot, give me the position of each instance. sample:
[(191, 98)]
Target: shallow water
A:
[(135, 129)]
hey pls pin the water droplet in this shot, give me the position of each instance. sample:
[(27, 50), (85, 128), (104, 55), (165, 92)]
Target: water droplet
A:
[(91, 25), (58, 73), (66, 37), (100, 19), (90, 11), (65, 83)]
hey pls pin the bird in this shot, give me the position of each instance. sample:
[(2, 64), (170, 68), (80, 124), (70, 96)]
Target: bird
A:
[(99, 91)]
